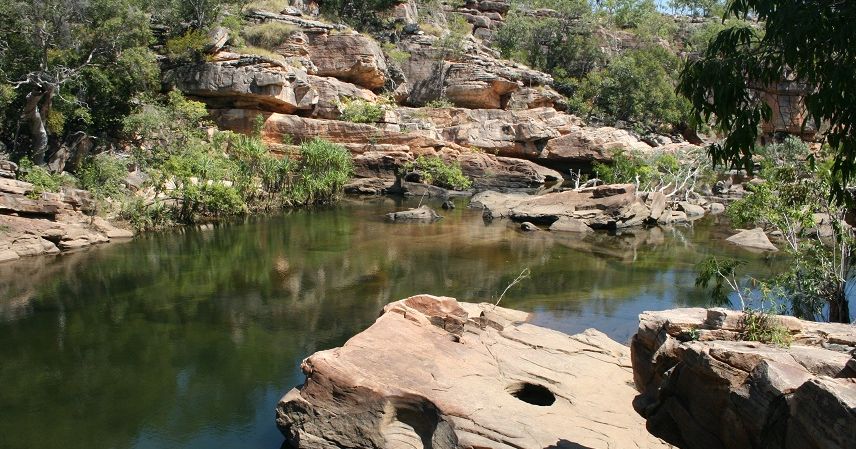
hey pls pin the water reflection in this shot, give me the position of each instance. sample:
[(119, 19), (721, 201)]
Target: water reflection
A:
[(188, 338)]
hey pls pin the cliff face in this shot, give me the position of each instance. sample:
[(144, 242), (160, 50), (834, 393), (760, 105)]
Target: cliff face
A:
[(701, 387), (499, 119)]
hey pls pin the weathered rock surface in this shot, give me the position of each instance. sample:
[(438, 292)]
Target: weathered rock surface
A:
[(703, 388), (349, 57), (48, 223), (752, 238), (518, 133), (379, 152), (432, 372), (588, 144), (422, 213), (568, 224)]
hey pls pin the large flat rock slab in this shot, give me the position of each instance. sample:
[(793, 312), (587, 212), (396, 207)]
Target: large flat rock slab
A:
[(435, 373)]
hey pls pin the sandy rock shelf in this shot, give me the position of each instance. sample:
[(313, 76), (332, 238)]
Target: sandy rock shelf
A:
[(435, 373)]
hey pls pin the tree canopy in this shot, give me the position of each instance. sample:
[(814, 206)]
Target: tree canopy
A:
[(810, 42)]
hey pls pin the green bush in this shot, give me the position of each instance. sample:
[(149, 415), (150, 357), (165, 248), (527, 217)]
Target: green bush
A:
[(187, 46), (42, 179), (440, 103), (102, 175), (438, 172), (637, 86), (763, 327), (146, 216), (361, 111), (322, 172), (395, 54)]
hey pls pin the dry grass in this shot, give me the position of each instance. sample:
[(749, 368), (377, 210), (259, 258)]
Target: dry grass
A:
[(268, 35)]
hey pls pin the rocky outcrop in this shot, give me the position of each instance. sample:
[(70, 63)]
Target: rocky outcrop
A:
[(588, 144), (353, 57), (701, 387), (379, 152), (432, 372), (521, 134), (46, 223)]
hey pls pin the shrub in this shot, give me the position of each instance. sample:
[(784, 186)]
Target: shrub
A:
[(395, 54), (436, 171), (102, 175), (361, 111), (323, 170), (268, 35), (763, 327), (440, 103), (42, 179), (145, 216), (187, 46)]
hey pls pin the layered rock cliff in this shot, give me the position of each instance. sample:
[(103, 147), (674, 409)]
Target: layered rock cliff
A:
[(702, 386)]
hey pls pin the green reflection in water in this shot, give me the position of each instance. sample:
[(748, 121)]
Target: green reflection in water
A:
[(188, 338)]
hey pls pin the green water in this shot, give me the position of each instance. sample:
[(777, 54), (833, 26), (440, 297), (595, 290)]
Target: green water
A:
[(187, 339)]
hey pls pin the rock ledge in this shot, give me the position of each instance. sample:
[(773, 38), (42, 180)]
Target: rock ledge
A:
[(435, 373)]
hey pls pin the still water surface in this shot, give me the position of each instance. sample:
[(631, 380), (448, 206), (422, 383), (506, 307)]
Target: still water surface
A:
[(187, 339)]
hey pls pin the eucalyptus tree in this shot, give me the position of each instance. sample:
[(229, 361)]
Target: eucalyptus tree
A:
[(806, 41), (66, 65)]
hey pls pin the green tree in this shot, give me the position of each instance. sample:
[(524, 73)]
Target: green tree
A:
[(809, 42), (637, 86), (704, 8), (794, 200), (75, 66)]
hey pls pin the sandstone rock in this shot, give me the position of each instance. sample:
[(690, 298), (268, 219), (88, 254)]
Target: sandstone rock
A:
[(658, 205), (7, 255), (7, 168), (496, 204), (349, 57), (606, 201), (367, 186), (474, 79), (245, 81), (568, 224), (588, 144), (25, 205), (752, 238), (670, 217), (330, 93), (716, 208), (433, 373), (422, 213), (519, 133), (634, 214), (702, 388), (692, 210), (378, 153)]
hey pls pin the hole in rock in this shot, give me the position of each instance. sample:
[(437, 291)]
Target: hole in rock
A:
[(532, 394)]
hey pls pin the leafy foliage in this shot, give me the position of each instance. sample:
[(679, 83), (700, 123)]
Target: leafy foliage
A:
[(438, 172), (41, 179), (323, 170), (794, 199), (361, 111), (724, 84), (102, 175), (763, 327), (637, 86)]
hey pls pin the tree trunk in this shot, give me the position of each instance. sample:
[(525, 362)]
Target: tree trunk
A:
[(36, 108), (839, 308)]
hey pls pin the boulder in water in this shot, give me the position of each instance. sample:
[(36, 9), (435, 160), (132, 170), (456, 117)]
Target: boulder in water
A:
[(422, 213)]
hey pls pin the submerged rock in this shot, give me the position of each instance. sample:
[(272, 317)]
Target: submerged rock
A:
[(435, 373), (702, 388), (422, 213)]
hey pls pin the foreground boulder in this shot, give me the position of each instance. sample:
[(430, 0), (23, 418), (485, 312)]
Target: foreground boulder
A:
[(752, 238), (704, 388), (435, 373)]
